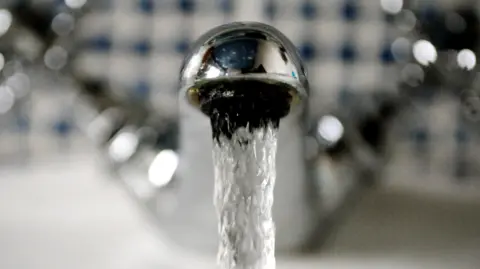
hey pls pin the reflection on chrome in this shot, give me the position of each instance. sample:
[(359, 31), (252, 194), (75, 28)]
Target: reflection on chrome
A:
[(163, 167), (212, 72), (75, 3), (392, 6), (330, 129), (123, 146), (6, 19), (103, 125), (243, 50), (424, 52), (466, 59)]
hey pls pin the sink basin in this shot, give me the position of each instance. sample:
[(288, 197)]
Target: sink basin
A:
[(64, 211)]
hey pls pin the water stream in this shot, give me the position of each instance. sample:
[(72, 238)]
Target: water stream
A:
[(244, 181), (245, 116)]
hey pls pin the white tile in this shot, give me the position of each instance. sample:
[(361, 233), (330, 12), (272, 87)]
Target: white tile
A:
[(165, 69), (92, 64), (365, 76), (130, 26), (369, 36), (289, 11), (332, 33), (167, 27), (327, 75), (202, 24), (292, 31), (94, 24), (126, 68), (249, 10)]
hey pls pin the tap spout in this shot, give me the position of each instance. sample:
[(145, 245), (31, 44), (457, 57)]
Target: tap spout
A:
[(246, 70)]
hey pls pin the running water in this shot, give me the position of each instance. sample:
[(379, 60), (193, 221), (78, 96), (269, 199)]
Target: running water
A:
[(244, 182), (245, 116)]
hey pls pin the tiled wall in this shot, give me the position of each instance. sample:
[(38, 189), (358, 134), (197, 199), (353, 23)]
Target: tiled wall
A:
[(138, 46), (142, 44)]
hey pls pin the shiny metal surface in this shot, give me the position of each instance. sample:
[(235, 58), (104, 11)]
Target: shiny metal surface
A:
[(237, 53), (243, 51)]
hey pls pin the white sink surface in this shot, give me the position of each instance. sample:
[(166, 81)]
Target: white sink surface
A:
[(61, 212)]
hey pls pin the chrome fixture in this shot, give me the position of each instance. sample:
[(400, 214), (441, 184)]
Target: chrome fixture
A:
[(242, 54)]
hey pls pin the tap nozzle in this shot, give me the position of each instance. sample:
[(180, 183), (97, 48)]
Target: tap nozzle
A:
[(248, 70)]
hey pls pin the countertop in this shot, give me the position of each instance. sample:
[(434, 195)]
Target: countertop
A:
[(65, 211)]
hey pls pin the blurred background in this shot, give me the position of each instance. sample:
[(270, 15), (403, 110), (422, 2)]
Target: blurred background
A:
[(89, 129)]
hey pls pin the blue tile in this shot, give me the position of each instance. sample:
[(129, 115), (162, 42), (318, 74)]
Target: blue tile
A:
[(226, 6), (56, 3), (22, 123), (270, 9), (63, 127), (461, 136), (308, 51), (143, 47), (389, 18), (428, 13), (239, 54), (348, 52), (350, 11), (100, 43), (146, 6), (181, 46), (186, 6), (309, 10), (386, 55), (419, 136), (141, 90)]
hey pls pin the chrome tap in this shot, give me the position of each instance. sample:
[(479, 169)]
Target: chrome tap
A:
[(242, 54)]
